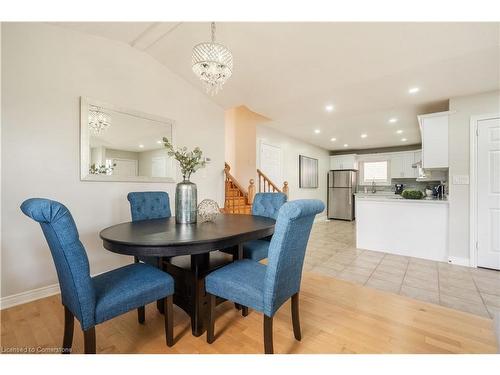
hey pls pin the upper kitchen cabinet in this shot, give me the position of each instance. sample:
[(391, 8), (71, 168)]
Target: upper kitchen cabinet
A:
[(434, 132), (401, 165), (343, 162)]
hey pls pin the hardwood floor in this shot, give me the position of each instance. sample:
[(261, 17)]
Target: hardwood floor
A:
[(336, 317)]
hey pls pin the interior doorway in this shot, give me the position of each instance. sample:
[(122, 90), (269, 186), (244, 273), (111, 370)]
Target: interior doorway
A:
[(485, 192)]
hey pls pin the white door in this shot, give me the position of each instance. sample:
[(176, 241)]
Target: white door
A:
[(488, 193), (125, 167), (270, 162)]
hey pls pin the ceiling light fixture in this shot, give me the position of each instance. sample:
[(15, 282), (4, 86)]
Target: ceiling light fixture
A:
[(364, 135), (317, 131), (99, 121), (159, 142), (329, 108), (393, 120), (141, 146), (399, 131), (346, 145), (403, 139), (212, 63), (333, 139), (413, 90)]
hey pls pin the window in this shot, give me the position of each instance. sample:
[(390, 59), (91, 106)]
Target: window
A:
[(375, 171)]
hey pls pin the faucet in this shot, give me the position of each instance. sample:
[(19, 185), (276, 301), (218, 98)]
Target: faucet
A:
[(374, 189)]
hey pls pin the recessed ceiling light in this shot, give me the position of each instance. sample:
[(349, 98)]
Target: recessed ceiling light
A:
[(346, 145), (413, 90), (159, 142), (329, 108), (393, 120), (333, 139), (403, 139), (399, 131), (364, 135), (141, 146), (317, 131)]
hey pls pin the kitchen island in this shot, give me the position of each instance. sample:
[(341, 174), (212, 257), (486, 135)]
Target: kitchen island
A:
[(392, 224)]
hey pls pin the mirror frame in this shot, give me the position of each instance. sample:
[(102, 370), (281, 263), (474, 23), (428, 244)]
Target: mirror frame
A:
[(85, 142)]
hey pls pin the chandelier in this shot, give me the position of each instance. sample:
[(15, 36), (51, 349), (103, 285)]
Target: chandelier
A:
[(212, 63), (99, 121)]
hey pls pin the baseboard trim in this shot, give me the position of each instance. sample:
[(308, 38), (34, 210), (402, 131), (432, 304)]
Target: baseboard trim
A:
[(28, 296), (320, 218), (459, 261)]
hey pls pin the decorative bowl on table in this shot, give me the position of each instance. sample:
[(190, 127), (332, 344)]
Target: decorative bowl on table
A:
[(208, 210)]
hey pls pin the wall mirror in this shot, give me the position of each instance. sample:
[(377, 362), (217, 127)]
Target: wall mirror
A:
[(123, 145)]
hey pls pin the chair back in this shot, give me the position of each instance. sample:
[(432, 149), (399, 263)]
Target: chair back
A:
[(146, 205), (268, 204), (287, 250), (69, 256)]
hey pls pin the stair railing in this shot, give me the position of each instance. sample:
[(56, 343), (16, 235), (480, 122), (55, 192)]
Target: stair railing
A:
[(267, 186)]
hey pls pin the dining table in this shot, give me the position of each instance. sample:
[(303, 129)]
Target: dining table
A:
[(188, 252)]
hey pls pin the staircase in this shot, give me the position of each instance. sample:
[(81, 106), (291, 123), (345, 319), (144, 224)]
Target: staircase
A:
[(238, 200)]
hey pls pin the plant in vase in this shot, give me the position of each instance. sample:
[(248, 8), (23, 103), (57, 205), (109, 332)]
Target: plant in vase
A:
[(185, 192)]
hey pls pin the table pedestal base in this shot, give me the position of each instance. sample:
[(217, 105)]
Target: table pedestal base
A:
[(189, 274)]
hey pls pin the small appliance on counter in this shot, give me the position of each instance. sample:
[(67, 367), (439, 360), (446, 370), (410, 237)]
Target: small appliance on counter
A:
[(438, 191), (398, 188)]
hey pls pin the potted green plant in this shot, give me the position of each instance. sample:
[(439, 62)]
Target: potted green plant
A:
[(412, 194)]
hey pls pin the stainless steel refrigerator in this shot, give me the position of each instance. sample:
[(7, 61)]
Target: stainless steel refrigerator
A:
[(341, 189)]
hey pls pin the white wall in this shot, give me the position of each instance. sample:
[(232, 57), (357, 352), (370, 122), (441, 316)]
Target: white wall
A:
[(462, 108), (291, 148), (45, 70)]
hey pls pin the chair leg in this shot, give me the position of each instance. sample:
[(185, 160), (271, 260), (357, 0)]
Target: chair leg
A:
[(296, 317), (244, 310), (268, 335), (89, 340), (69, 323), (141, 314), (211, 319), (169, 320)]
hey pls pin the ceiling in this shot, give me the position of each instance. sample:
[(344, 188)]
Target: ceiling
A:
[(289, 72)]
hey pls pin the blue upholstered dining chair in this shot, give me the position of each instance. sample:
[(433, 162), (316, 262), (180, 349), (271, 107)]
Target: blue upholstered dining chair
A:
[(93, 300), (268, 205), (147, 205), (266, 287)]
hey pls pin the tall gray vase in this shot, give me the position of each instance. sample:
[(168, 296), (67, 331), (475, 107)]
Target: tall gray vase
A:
[(186, 202)]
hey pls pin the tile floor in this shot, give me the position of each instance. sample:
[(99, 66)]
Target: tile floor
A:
[(332, 251)]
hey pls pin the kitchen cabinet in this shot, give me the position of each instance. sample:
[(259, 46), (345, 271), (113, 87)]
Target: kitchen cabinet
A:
[(343, 162), (416, 228), (434, 133), (401, 165)]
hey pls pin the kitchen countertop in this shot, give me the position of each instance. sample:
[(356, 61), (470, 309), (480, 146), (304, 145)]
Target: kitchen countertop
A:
[(391, 197)]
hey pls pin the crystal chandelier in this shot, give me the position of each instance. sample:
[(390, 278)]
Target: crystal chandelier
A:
[(212, 63), (99, 121)]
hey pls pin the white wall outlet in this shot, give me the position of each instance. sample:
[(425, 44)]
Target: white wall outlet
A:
[(460, 179)]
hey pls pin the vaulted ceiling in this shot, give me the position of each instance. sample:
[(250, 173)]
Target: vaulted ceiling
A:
[(289, 72)]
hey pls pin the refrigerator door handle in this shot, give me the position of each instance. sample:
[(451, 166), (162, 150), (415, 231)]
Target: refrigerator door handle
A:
[(350, 199)]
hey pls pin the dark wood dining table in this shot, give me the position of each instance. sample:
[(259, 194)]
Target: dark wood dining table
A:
[(188, 252)]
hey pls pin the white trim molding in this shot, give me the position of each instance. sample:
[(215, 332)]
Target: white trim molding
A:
[(459, 261), (28, 296), (474, 120)]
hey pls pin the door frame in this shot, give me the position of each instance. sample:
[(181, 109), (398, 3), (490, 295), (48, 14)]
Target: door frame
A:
[(473, 126)]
